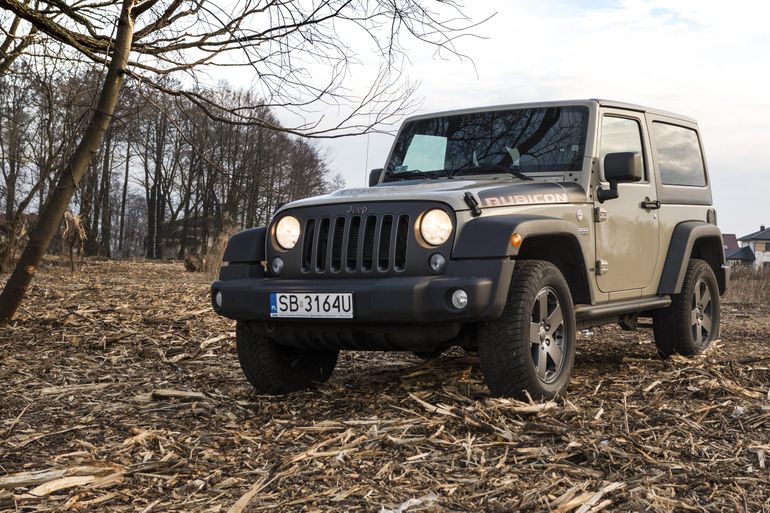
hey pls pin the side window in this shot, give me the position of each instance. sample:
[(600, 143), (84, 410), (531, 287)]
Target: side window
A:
[(678, 154), (620, 135)]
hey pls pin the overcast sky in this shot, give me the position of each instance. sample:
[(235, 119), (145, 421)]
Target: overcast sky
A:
[(706, 59)]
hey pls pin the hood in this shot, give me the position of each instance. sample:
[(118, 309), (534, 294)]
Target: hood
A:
[(496, 192)]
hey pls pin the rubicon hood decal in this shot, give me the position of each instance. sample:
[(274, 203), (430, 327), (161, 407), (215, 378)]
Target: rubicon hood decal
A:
[(491, 193), (524, 194)]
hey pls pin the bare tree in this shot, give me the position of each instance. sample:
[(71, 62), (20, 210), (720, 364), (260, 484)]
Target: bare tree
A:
[(14, 40), (285, 43), (51, 215)]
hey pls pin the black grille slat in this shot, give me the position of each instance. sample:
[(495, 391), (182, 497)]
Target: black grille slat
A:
[(351, 248), (367, 246), (307, 245), (322, 247), (336, 246), (402, 238), (386, 230)]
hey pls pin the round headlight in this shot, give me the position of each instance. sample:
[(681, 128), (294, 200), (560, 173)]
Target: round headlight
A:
[(287, 232), (436, 227)]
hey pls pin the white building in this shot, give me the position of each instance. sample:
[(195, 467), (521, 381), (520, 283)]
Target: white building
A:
[(759, 242)]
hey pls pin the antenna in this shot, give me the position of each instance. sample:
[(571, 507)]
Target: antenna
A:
[(368, 136), (366, 167)]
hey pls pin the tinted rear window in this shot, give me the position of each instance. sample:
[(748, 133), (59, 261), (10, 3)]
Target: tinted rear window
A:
[(677, 151)]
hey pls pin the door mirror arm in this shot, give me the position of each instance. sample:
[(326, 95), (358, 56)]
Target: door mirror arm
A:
[(607, 194)]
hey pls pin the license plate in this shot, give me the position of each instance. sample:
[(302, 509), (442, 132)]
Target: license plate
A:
[(338, 305)]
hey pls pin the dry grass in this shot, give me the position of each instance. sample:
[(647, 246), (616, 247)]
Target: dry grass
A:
[(748, 287), (120, 391)]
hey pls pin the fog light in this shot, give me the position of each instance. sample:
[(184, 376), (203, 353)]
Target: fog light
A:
[(276, 265), (459, 299), (218, 299), (436, 262)]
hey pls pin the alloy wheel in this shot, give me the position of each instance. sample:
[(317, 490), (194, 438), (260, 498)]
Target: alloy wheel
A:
[(547, 335), (702, 314)]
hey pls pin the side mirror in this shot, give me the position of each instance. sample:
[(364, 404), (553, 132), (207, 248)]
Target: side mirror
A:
[(621, 167), (375, 175)]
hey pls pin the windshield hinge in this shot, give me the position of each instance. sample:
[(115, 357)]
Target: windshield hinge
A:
[(473, 204), (600, 214)]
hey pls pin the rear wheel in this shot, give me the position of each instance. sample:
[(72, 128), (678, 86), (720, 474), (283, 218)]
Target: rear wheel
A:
[(275, 369), (691, 322), (530, 349)]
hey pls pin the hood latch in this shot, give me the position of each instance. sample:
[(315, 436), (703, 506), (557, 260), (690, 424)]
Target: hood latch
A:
[(473, 204)]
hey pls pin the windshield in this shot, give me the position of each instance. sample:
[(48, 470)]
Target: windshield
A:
[(515, 141)]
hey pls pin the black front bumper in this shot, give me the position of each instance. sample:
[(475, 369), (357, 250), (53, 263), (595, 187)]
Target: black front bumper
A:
[(396, 299)]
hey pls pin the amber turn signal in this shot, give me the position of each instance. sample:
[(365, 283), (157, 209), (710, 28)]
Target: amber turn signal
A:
[(516, 240)]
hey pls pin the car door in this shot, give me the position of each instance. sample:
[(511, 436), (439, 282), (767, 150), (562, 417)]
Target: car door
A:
[(626, 227)]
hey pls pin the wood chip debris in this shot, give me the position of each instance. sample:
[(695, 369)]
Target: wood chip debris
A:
[(120, 390)]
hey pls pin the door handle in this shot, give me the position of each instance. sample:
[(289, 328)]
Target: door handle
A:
[(647, 204)]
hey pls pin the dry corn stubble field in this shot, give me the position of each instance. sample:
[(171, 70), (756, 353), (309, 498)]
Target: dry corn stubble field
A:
[(120, 391)]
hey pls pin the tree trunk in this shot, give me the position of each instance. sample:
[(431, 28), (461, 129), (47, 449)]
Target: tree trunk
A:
[(159, 202), (149, 194), (51, 215), (87, 206), (104, 199), (6, 253), (123, 200), (9, 251), (13, 160)]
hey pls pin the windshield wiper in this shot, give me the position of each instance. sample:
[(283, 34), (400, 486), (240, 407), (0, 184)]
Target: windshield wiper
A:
[(498, 168), (409, 175)]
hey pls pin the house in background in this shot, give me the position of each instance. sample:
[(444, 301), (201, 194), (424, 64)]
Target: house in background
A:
[(756, 245), (730, 243), (734, 253), (740, 256)]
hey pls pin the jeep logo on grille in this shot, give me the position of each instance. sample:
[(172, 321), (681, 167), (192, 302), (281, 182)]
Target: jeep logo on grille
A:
[(352, 209)]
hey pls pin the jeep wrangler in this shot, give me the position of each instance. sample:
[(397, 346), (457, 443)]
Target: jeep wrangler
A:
[(503, 230)]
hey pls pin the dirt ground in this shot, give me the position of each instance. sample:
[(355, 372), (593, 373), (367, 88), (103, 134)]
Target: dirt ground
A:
[(120, 390)]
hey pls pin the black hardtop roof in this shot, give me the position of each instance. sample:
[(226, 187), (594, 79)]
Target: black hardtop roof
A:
[(596, 101), (641, 108)]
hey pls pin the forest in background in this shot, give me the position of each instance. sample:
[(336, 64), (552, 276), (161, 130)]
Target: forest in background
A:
[(167, 180)]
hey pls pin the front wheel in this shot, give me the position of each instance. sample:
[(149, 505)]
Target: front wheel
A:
[(691, 322), (275, 369), (530, 349)]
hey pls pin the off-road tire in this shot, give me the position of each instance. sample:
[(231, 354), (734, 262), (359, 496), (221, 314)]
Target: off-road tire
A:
[(275, 369), (675, 327), (506, 347)]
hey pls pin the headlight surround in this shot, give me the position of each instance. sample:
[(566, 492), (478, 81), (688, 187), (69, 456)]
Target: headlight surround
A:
[(436, 227), (287, 232)]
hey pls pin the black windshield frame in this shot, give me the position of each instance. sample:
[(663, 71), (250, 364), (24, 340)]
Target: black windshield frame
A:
[(532, 139)]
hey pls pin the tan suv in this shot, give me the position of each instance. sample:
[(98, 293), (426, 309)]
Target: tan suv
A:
[(504, 230)]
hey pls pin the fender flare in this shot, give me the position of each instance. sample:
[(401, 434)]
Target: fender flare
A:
[(680, 248), (247, 246), (490, 237)]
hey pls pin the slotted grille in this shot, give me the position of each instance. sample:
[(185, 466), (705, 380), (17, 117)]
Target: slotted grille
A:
[(368, 243)]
